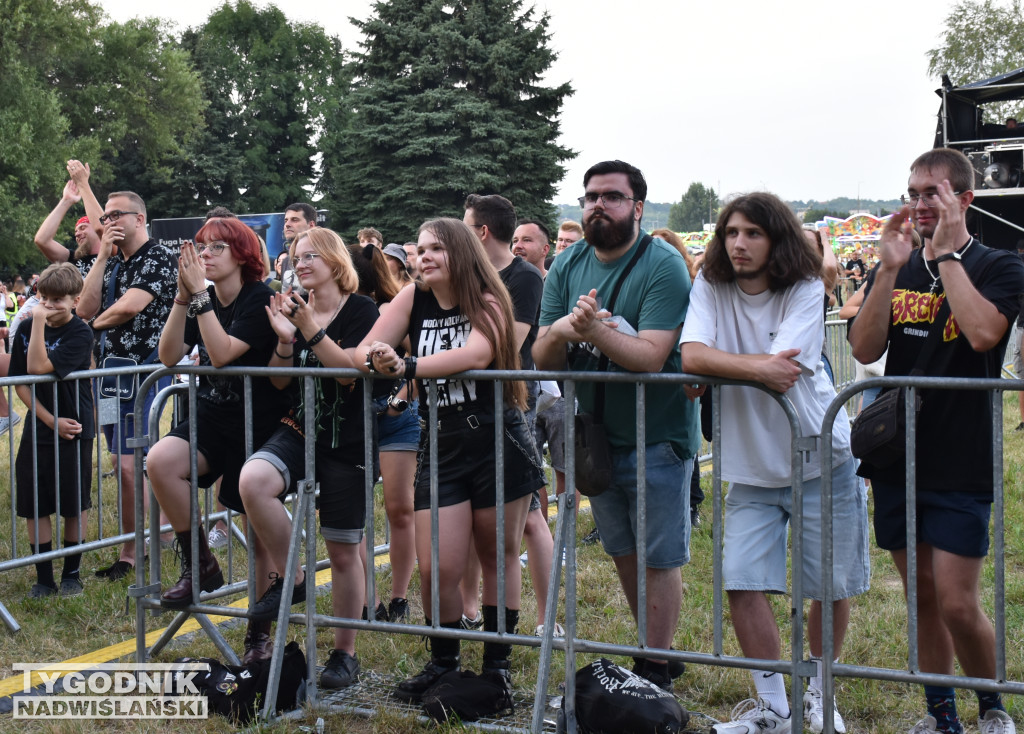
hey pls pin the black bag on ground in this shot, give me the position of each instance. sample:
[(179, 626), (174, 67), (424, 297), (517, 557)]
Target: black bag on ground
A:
[(593, 456), (466, 695), (878, 435), (613, 700), (239, 691)]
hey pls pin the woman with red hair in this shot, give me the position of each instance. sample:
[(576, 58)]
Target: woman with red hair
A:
[(228, 322)]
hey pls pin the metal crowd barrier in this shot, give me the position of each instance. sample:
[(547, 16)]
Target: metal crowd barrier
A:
[(304, 527)]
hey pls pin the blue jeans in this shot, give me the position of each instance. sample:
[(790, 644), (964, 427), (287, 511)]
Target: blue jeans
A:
[(667, 510)]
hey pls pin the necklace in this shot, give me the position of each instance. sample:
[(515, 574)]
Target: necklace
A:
[(341, 303), (934, 276)]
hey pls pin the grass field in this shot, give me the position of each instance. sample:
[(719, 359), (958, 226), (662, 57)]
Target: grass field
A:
[(58, 629)]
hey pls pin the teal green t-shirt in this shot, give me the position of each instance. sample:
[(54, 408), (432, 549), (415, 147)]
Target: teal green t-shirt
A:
[(654, 296)]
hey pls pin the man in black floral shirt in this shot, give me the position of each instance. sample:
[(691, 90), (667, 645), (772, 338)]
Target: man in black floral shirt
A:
[(128, 297)]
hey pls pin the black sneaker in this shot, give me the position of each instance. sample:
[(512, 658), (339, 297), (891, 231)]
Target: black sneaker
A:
[(398, 610), (340, 671), (412, 689), (1020, 426), (592, 537), (380, 614), (115, 571), (270, 603)]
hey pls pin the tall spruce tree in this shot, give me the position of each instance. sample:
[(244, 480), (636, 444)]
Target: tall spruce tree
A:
[(270, 83), (448, 101)]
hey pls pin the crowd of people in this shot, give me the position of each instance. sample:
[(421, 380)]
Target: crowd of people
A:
[(488, 292)]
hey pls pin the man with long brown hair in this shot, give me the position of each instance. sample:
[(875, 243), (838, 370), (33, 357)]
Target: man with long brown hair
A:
[(755, 315)]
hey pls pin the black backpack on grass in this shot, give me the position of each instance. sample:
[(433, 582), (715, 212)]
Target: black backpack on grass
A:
[(467, 696), (613, 700), (239, 691)]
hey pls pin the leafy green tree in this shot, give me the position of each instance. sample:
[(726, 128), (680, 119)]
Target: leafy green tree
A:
[(448, 101), (817, 214), (270, 84), (698, 205), (983, 38)]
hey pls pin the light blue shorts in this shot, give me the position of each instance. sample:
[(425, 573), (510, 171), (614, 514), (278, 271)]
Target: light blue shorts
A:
[(757, 528), (668, 507)]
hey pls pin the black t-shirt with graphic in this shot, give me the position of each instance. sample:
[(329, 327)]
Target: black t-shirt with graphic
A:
[(69, 349), (338, 412), (433, 329), (954, 428)]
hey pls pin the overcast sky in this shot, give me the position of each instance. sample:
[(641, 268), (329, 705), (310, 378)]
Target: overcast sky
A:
[(809, 100)]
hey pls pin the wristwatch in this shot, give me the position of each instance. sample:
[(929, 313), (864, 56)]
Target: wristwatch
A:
[(958, 256), (398, 404)]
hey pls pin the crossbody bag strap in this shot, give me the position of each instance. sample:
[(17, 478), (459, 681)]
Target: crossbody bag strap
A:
[(602, 363), (107, 303)]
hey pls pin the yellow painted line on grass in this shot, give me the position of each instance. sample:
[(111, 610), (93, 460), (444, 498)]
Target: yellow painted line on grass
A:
[(16, 683)]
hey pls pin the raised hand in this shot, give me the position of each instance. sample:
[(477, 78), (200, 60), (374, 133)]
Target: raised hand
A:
[(896, 242)]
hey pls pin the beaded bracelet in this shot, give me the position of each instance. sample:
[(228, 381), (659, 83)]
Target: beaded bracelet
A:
[(317, 338)]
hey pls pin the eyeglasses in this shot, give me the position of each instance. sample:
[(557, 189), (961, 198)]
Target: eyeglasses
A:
[(610, 200), (307, 258), (215, 248), (113, 216), (928, 197)]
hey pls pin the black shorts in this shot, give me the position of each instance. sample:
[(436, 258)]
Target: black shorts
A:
[(466, 468), (342, 501), (220, 438), (955, 522), (75, 478)]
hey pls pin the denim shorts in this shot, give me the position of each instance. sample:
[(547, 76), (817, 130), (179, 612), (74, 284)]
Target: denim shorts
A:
[(550, 429), (757, 528), (668, 507), (955, 522), (119, 433), (397, 432)]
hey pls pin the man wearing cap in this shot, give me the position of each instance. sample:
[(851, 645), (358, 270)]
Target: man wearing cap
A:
[(88, 241)]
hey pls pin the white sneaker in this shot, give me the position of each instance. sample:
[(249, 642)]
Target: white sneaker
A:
[(814, 714), (927, 725), (753, 717), (996, 721), (217, 538), (8, 422), (559, 632), (524, 559)]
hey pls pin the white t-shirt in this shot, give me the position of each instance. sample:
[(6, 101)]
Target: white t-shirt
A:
[(756, 438)]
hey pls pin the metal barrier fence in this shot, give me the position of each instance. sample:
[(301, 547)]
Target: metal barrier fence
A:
[(147, 596)]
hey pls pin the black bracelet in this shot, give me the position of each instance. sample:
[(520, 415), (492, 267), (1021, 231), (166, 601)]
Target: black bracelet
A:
[(317, 338), (283, 356), (410, 368), (369, 363)]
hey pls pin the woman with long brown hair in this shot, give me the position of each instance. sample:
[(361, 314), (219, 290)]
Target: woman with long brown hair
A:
[(461, 319)]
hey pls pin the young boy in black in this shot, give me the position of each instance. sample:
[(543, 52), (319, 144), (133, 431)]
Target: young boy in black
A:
[(55, 454)]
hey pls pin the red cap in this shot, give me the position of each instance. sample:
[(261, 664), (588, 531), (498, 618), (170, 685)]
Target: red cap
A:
[(83, 219)]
